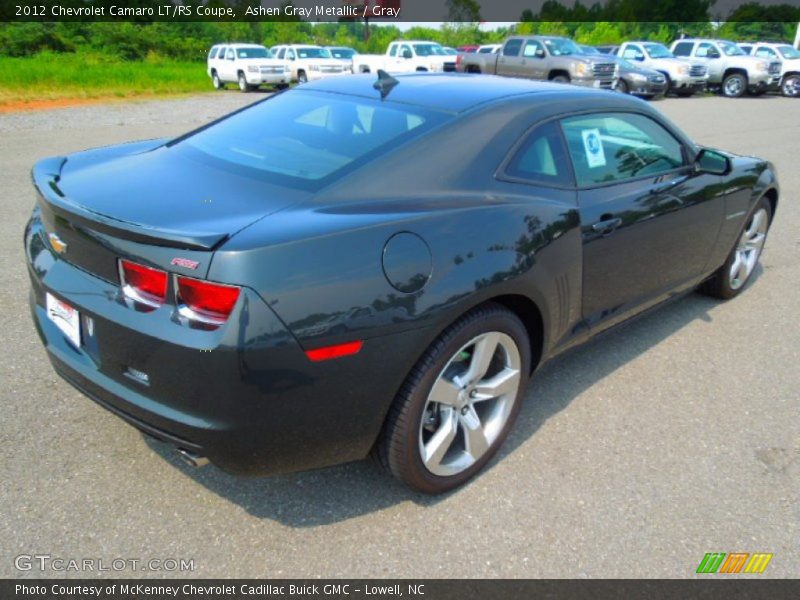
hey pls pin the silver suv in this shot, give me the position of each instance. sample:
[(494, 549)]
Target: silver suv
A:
[(729, 68)]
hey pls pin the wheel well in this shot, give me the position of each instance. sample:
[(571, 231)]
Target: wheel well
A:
[(772, 195), (473, 69), (213, 71), (729, 72), (421, 69), (557, 72), (791, 73), (531, 316)]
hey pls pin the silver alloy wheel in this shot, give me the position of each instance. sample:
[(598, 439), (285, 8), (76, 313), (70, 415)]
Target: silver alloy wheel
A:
[(791, 86), (748, 249), (215, 80), (733, 86), (469, 404)]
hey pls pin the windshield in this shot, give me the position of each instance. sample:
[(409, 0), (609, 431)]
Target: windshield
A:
[(344, 53), (307, 52), (657, 50), (730, 49), (300, 138), (589, 50), (429, 50), (789, 52), (561, 46), (253, 53)]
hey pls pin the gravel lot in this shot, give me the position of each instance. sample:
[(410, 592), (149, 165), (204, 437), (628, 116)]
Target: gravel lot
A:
[(633, 456)]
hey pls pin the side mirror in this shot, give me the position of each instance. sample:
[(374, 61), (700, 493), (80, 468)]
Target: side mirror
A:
[(712, 54), (539, 53), (407, 53), (639, 57), (712, 162)]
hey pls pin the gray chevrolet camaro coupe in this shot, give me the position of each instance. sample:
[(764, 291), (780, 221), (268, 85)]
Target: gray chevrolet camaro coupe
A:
[(362, 265)]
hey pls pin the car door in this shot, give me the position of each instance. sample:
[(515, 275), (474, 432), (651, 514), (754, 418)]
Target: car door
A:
[(712, 57), (533, 60), (228, 66), (649, 220), (509, 62)]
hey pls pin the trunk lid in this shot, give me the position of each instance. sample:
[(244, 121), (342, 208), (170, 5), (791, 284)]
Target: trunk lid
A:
[(148, 202)]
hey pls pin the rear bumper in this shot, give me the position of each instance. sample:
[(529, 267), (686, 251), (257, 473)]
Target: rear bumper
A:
[(244, 395)]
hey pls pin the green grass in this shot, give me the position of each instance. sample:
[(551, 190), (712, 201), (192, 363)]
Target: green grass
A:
[(50, 76)]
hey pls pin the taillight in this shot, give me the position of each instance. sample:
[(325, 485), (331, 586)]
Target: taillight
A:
[(204, 301), (143, 284)]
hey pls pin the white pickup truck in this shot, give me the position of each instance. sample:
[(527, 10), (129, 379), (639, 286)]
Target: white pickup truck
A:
[(248, 65), (406, 56)]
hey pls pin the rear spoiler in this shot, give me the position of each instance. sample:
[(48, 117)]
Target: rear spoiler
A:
[(46, 174)]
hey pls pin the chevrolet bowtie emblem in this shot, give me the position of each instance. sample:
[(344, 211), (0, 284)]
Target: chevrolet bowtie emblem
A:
[(57, 244)]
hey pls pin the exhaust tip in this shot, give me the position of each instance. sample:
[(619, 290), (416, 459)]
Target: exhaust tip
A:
[(192, 459)]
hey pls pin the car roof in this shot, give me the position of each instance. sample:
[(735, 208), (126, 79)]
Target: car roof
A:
[(238, 45), (446, 91)]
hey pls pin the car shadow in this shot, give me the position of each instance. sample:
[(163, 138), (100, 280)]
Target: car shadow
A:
[(343, 492)]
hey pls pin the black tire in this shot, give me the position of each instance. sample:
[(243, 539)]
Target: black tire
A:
[(622, 86), (560, 78), (282, 86), (243, 85), (790, 86), (398, 447), (719, 284), (734, 85), (684, 93), (216, 81), (756, 93), (302, 77)]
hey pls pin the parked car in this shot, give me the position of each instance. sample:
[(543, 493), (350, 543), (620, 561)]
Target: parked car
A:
[(489, 48), (684, 77), (344, 55), (450, 51), (468, 48), (788, 55), (634, 79), (407, 56), (545, 58), (248, 65), (194, 320), (607, 49), (729, 68), (309, 63)]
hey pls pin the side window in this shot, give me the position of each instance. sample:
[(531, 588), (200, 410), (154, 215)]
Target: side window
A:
[(213, 53), (746, 48), (221, 53), (229, 54), (393, 50), (512, 47), (530, 49), (683, 49), (612, 147), (290, 54), (281, 52), (542, 158), (633, 52), (765, 53), (706, 50), (404, 48)]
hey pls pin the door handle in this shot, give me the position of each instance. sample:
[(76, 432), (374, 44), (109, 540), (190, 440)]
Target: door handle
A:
[(606, 226)]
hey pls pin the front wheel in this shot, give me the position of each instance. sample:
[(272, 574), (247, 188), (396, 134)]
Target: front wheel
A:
[(622, 87), (216, 81), (302, 77), (734, 85), (459, 402), (791, 86), (560, 78), (243, 85), (730, 278)]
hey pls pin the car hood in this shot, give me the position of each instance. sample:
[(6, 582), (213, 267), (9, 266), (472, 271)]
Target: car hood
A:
[(158, 193)]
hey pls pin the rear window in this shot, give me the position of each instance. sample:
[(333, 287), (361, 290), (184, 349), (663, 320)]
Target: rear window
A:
[(302, 138)]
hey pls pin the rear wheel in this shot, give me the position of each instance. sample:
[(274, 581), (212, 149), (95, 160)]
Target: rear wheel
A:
[(791, 86), (730, 278), (734, 85), (459, 402)]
